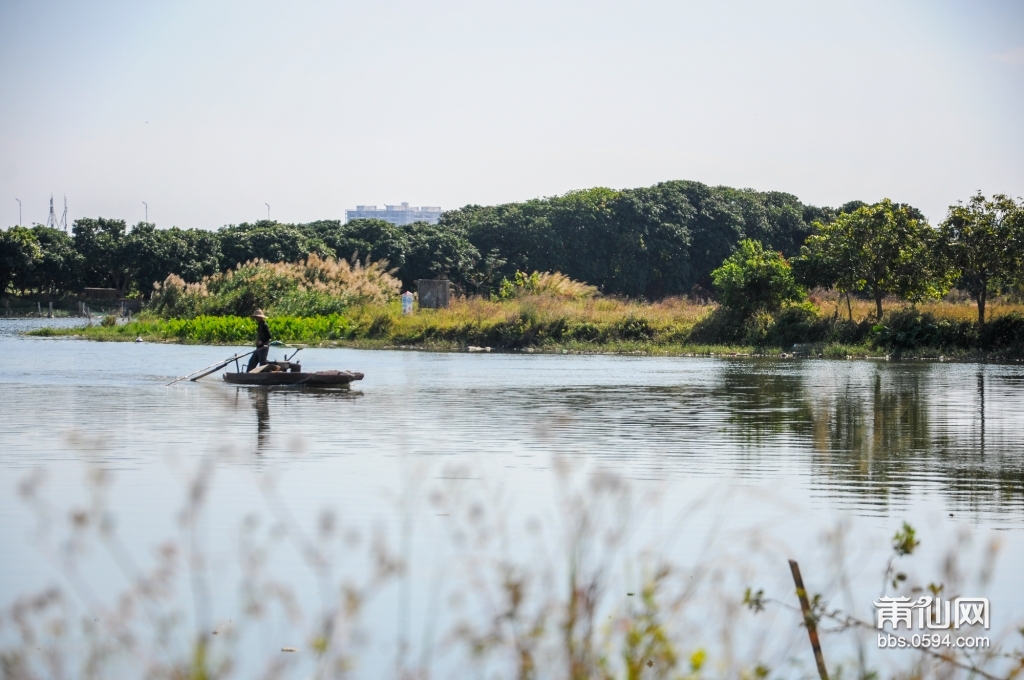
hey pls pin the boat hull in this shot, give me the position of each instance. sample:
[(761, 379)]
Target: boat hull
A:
[(273, 378)]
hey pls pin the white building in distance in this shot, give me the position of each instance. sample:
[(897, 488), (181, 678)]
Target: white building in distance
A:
[(395, 214)]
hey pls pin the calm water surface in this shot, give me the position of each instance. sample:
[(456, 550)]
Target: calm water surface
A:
[(786, 447)]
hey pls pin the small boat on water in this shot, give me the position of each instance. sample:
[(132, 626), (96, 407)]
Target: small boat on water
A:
[(317, 379), (290, 374)]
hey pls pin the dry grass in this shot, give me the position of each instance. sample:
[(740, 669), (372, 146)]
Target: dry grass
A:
[(606, 324), (952, 308), (307, 287), (674, 312)]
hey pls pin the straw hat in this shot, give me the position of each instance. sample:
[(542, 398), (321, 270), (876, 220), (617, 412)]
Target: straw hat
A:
[(258, 314)]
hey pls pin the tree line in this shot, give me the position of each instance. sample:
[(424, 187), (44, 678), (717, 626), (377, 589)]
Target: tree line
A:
[(649, 242)]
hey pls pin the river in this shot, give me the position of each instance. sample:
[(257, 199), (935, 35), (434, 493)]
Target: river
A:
[(740, 462)]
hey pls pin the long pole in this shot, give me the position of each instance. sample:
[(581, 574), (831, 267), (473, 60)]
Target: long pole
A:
[(268, 211), (211, 368), (19, 210), (147, 210)]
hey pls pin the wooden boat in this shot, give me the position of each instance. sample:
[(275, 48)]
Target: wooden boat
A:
[(289, 374), (317, 379)]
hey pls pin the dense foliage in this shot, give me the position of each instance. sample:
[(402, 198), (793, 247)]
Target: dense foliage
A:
[(647, 243), (755, 280), (884, 249), (984, 242), (650, 242)]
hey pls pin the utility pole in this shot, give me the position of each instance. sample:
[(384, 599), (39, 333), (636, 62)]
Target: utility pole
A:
[(147, 210), (268, 211), (19, 210)]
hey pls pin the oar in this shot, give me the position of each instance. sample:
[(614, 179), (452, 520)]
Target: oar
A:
[(211, 367)]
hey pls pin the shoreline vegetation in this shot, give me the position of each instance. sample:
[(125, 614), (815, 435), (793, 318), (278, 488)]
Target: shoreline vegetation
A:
[(674, 327), (676, 268)]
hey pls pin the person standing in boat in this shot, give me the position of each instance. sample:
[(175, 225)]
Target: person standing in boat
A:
[(259, 357)]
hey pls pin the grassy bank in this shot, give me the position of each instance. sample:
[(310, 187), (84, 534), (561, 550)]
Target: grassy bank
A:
[(674, 327)]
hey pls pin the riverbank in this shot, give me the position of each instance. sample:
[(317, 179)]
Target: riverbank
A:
[(670, 328)]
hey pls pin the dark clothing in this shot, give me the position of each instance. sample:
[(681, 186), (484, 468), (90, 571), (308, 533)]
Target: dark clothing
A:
[(259, 357), (262, 334)]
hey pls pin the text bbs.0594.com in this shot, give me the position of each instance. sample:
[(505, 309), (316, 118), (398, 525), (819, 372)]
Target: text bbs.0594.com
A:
[(934, 640)]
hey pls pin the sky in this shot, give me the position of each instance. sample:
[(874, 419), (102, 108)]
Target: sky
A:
[(209, 110)]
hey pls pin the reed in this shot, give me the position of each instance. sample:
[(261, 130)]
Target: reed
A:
[(584, 598), (676, 326)]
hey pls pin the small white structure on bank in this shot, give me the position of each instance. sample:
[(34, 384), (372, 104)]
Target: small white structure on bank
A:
[(395, 214)]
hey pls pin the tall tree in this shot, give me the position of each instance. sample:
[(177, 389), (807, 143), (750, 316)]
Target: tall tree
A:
[(983, 243), (104, 262), (437, 252), (886, 248), (156, 253), (19, 252), (268, 240), (362, 239), (56, 270)]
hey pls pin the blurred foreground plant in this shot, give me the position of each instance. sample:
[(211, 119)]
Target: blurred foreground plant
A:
[(544, 600)]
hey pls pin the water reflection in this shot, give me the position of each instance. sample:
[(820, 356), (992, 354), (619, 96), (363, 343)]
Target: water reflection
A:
[(263, 400), (884, 432), (260, 399), (866, 436)]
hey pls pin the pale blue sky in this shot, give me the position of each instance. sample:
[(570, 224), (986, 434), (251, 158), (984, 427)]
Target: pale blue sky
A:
[(207, 110)]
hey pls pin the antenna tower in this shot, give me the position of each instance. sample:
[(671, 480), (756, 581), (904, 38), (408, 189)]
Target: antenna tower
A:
[(64, 217), (51, 219)]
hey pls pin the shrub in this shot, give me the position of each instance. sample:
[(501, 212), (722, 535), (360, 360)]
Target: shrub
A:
[(722, 326), (843, 332), (553, 284), (310, 287), (797, 324), (635, 328), (584, 331), (756, 329), (909, 329), (1003, 333), (753, 280)]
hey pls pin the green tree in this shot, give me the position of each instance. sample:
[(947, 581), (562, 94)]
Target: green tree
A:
[(56, 270), (364, 239), (267, 240), (156, 253), (886, 248), (651, 241), (437, 252), (982, 242), (753, 279), (19, 253), (99, 243)]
